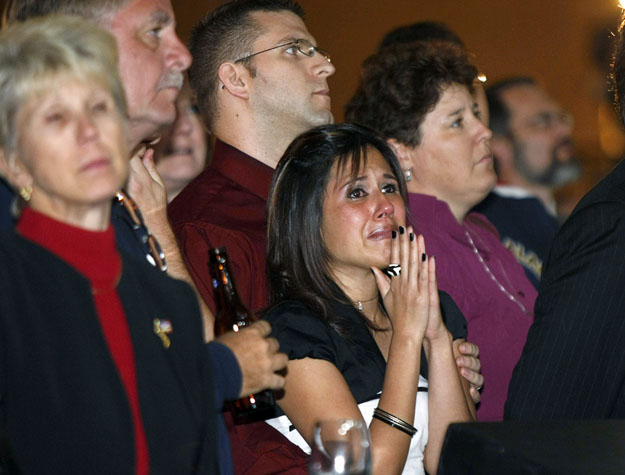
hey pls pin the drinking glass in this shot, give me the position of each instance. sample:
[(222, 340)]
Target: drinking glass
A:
[(340, 447)]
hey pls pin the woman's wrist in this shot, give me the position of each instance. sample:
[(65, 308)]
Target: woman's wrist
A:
[(440, 338), (408, 339)]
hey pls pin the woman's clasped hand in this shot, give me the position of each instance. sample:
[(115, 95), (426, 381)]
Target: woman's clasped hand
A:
[(411, 298)]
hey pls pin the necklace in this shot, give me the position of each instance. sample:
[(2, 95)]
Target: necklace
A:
[(359, 303), (501, 287)]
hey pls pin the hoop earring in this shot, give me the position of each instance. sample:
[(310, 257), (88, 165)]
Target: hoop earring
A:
[(408, 174), (25, 192)]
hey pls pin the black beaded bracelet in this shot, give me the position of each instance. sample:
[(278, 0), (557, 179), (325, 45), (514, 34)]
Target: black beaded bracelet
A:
[(394, 421)]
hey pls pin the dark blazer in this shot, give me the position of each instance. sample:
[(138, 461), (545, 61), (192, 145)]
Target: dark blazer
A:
[(62, 401), (573, 364), (6, 198)]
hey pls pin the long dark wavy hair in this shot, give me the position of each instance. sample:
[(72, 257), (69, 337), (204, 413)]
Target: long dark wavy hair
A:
[(298, 261)]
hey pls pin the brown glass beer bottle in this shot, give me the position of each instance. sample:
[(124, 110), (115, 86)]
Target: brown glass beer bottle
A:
[(232, 315)]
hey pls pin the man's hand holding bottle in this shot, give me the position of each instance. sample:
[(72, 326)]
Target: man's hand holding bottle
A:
[(258, 357)]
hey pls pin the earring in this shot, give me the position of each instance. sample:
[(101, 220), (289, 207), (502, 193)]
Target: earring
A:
[(408, 174), (25, 192)]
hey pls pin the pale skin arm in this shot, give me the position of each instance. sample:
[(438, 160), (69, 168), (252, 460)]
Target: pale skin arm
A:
[(448, 396), (310, 383), (146, 187)]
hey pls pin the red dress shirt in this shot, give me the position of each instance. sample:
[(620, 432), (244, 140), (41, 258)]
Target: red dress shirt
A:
[(226, 206)]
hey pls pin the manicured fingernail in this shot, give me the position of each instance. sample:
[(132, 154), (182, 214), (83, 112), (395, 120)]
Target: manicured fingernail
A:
[(394, 234), (423, 257), (412, 236), (402, 230)]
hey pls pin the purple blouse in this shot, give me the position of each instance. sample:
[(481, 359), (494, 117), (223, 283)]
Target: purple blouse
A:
[(488, 285)]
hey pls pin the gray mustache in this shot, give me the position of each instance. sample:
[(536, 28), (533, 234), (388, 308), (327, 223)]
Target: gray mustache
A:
[(171, 79)]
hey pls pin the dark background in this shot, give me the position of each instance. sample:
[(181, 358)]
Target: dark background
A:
[(564, 43)]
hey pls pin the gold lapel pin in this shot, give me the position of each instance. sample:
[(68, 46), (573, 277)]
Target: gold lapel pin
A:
[(163, 328)]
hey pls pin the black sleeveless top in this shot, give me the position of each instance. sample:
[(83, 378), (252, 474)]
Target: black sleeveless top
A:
[(302, 334)]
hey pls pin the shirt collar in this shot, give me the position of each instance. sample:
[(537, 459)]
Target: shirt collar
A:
[(433, 214), (242, 169), (436, 217)]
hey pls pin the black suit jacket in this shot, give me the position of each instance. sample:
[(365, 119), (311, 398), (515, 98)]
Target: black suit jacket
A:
[(573, 363), (62, 401)]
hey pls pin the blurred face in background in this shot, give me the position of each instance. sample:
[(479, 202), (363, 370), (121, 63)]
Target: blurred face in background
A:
[(182, 152), (540, 132)]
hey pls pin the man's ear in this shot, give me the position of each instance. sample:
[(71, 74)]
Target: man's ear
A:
[(402, 152), (235, 78)]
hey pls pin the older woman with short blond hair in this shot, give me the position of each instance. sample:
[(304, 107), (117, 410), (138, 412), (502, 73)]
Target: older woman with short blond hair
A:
[(102, 364)]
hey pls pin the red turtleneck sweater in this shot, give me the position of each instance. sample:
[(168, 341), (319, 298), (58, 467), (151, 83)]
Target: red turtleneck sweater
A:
[(95, 256)]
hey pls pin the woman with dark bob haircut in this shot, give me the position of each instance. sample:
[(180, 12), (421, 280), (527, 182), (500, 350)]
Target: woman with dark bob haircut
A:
[(362, 344)]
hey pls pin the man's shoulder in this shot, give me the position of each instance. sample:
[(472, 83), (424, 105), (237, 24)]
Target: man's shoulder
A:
[(592, 235), (214, 211), (609, 189), (213, 198), (207, 185), (498, 203)]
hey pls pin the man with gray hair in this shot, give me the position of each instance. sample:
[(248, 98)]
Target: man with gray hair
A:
[(152, 60)]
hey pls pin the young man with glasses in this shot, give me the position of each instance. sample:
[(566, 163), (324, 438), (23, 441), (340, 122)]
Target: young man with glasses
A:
[(259, 80)]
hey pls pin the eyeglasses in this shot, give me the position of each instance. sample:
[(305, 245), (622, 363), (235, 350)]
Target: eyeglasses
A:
[(548, 120), (305, 47), (153, 252)]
